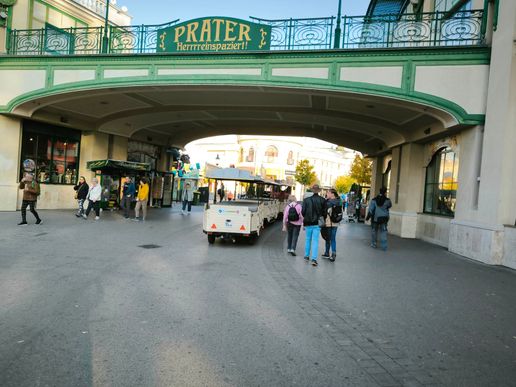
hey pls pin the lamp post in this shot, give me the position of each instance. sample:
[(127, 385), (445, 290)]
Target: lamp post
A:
[(338, 31), (105, 38)]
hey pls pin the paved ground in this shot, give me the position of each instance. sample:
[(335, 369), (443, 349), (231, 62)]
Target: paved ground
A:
[(82, 304)]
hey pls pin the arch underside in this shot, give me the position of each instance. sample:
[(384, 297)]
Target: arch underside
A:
[(174, 115)]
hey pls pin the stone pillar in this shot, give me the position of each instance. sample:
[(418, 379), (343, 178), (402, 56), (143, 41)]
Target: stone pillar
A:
[(376, 175), (94, 146), (406, 189), (480, 233), (10, 148), (119, 150)]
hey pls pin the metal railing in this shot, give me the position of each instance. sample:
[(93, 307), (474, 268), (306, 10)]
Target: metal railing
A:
[(413, 30), (358, 32)]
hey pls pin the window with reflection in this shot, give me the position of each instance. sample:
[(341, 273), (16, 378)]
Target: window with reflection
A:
[(441, 183), (290, 158), (55, 151), (250, 155), (271, 154)]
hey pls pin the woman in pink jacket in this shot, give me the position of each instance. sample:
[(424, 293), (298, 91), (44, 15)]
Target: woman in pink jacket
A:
[(292, 222)]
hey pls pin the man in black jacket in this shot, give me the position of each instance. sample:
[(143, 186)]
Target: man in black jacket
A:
[(314, 212)]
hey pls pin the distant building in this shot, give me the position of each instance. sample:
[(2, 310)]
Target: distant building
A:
[(274, 157)]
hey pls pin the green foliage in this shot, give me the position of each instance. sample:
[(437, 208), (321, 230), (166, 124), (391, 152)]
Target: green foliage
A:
[(305, 174), (343, 184), (361, 170)]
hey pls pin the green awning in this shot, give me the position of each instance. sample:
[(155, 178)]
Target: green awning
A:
[(117, 166)]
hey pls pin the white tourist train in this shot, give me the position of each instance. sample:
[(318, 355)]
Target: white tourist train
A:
[(252, 204)]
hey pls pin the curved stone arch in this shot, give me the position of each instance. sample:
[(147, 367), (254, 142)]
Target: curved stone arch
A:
[(456, 114)]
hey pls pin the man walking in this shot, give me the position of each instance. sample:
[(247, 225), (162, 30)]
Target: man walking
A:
[(187, 198), (31, 192), (379, 214), (94, 196), (142, 199), (128, 191), (314, 216)]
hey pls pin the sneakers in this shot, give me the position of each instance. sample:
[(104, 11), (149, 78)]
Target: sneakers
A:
[(326, 255), (22, 224), (306, 258), (97, 217), (314, 262), (136, 219), (85, 216), (333, 256), (183, 212), (39, 221), (293, 253)]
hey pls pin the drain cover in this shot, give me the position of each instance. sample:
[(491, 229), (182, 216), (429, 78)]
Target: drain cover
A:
[(150, 246)]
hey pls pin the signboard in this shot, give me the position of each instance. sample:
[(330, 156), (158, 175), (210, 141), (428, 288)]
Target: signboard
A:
[(214, 34)]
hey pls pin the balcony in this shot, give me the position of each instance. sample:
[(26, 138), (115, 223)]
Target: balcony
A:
[(439, 29)]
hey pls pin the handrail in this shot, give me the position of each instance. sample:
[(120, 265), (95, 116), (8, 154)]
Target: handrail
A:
[(358, 32)]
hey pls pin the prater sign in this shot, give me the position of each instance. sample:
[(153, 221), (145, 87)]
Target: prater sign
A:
[(214, 34)]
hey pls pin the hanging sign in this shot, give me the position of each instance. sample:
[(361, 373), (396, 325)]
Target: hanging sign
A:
[(214, 34)]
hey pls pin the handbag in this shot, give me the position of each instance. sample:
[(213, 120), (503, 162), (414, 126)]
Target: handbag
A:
[(325, 233)]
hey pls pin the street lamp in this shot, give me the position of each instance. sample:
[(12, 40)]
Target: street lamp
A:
[(105, 39), (338, 31)]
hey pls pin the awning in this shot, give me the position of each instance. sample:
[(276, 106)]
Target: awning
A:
[(113, 166)]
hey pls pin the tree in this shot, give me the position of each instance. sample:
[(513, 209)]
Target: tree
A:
[(361, 170), (343, 184), (305, 174)]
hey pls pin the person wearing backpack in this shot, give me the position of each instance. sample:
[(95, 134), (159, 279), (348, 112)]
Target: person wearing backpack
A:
[(292, 222), (31, 191), (314, 217), (334, 211), (378, 212)]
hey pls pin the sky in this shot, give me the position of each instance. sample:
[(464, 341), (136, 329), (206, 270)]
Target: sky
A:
[(162, 11)]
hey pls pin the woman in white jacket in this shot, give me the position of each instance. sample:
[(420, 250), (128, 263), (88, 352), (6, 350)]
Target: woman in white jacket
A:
[(93, 197)]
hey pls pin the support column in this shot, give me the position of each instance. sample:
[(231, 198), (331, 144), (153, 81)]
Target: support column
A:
[(94, 146), (487, 233), (10, 148), (406, 189)]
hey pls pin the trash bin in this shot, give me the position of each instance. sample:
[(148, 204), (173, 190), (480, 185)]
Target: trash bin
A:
[(196, 196), (204, 194)]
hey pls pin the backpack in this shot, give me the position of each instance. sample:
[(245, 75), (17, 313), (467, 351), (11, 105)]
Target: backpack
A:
[(336, 214), (293, 215)]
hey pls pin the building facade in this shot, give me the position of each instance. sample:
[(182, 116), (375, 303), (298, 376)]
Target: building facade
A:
[(274, 157)]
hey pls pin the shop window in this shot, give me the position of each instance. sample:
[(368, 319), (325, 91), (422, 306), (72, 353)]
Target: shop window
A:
[(271, 154), (250, 155), (290, 158), (56, 155), (441, 183)]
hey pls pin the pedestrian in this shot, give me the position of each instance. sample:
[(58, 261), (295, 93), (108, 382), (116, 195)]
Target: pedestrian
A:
[(187, 198), (221, 192), (31, 191), (81, 191), (378, 212), (141, 199), (314, 214), (128, 192), (292, 222), (94, 196), (334, 212)]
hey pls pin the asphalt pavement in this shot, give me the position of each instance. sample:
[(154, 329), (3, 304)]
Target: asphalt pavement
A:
[(123, 303)]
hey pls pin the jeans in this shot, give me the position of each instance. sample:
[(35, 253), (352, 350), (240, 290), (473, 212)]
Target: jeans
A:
[(32, 206), (293, 235), (143, 205), (126, 205), (312, 241), (95, 206), (189, 203), (382, 230), (332, 242), (80, 203)]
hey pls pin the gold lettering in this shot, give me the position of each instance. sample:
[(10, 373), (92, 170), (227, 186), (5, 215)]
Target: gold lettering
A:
[(230, 27), (218, 23), (244, 32), (205, 31), (190, 34), (179, 32)]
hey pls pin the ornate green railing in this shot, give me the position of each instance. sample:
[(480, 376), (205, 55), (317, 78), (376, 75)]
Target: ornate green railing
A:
[(358, 32)]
